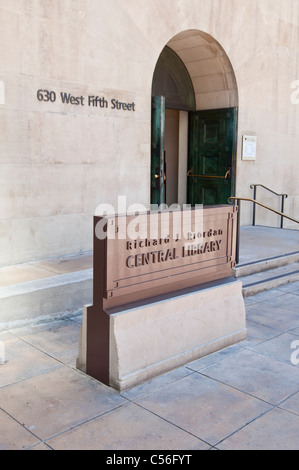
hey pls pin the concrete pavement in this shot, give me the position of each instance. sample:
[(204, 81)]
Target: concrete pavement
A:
[(243, 397)]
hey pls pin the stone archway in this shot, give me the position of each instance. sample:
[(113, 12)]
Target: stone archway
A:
[(209, 67), (202, 65)]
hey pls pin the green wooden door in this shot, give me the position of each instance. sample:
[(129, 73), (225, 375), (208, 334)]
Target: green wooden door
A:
[(211, 159), (157, 150)]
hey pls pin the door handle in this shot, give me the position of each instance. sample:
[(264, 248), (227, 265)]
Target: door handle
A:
[(226, 176), (158, 176)]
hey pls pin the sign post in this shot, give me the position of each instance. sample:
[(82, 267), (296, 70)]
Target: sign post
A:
[(144, 264)]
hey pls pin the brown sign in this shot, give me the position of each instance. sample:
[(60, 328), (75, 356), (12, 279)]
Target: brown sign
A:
[(149, 256), (156, 253)]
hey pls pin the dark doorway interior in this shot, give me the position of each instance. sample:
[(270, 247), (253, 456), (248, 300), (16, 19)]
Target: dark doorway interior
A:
[(211, 140)]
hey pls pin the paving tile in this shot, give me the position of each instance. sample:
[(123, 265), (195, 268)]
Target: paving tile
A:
[(23, 361), (272, 315), (13, 436), (275, 430), (279, 348), (59, 339), (291, 404), (32, 271), (206, 361), (259, 333), (271, 242), (291, 287), (58, 400), (127, 428), (10, 275), (288, 301), (67, 264), (249, 301), (207, 409), (262, 296), (156, 383), (5, 335), (295, 331), (41, 446), (263, 377)]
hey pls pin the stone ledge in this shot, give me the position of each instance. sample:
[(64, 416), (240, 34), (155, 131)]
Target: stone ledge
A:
[(149, 340), (41, 299)]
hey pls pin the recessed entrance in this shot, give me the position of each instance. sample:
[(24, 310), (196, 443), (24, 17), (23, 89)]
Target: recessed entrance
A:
[(194, 123)]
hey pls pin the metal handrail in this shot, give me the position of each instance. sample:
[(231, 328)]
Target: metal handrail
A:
[(283, 197), (238, 199), (268, 189), (263, 205)]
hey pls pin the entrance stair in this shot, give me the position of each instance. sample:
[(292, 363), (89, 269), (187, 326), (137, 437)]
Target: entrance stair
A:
[(269, 257)]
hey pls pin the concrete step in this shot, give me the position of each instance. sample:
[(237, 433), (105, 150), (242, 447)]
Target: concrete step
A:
[(265, 264), (38, 300), (268, 278)]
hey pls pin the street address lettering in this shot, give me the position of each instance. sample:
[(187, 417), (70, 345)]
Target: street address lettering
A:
[(94, 101)]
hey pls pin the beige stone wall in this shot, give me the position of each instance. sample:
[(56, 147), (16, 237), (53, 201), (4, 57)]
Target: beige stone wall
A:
[(59, 161), (265, 67)]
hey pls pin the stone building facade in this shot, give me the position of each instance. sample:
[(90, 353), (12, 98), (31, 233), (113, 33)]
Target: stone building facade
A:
[(76, 89)]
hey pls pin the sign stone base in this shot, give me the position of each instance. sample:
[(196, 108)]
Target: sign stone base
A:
[(161, 335)]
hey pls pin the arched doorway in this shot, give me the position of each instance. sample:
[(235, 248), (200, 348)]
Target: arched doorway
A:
[(194, 122)]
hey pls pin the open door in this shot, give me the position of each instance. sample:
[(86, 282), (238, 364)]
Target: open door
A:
[(157, 151), (211, 160)]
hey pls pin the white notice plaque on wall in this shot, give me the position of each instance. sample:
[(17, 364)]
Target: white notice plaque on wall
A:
[(249, 147)]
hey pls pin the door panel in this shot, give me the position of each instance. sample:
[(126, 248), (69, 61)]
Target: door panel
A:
[(157, 150), (171, 155), (209, 195), (211, 156)]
